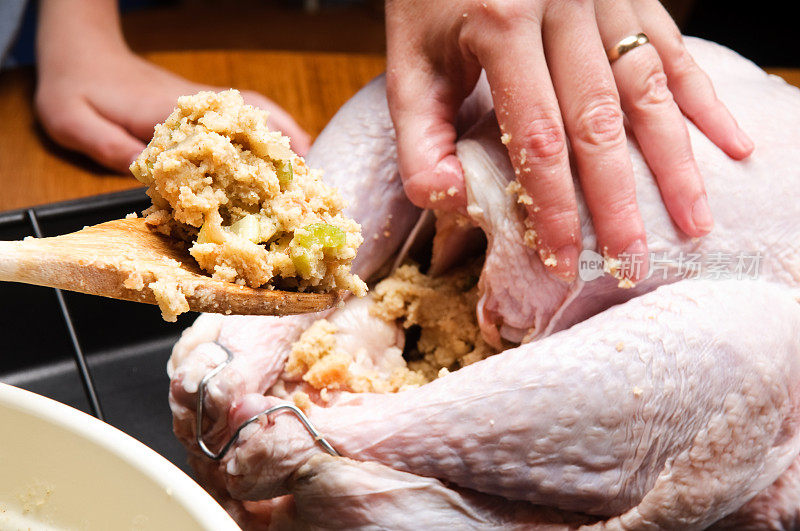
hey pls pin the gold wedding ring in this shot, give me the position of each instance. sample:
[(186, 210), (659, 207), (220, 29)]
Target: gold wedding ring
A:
[(625, 45)]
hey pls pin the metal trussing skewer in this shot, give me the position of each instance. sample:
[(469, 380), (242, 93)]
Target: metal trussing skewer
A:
[(80, 360), (201, 394)]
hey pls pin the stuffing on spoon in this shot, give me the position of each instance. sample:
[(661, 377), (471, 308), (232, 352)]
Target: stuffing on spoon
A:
[(252, 211)]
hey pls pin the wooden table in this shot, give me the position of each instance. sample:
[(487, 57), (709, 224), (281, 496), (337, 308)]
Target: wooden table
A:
[(312, 86)]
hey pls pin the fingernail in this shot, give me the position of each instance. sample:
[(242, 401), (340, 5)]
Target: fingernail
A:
[(563, 262), (636, 256), (701, 215), (638, 248), (745, 142)]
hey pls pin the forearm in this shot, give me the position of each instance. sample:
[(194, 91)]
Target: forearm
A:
[(76, 27)]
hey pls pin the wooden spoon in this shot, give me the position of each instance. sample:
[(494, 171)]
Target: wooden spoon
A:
[(121, 258)]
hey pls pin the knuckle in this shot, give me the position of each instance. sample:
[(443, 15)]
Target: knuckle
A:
[(652, 90), (544, 139), (621, 206), (558, 219), (60, 119), (673, 35), (682, 63), (576, 5), (59, 124), (601, 123), (500, 17), (501, 13), (673, 45)]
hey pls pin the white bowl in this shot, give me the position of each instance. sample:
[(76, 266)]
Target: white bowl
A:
[(63, 469)]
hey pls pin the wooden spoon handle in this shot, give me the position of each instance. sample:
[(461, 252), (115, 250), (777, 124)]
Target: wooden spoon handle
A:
[(119, 261), (39, 262), (21, 262)]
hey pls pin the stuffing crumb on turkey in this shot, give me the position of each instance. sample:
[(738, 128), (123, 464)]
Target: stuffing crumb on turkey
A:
[(530, 238), (617, 269), (254, 212), (523, 198), (316, 358), (442, 311)]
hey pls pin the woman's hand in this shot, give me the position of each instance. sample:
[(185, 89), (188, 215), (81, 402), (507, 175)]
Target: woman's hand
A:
[(97, 97), (552, 85)]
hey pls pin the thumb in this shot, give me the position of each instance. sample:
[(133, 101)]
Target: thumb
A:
[(423, 110), (79, 127)]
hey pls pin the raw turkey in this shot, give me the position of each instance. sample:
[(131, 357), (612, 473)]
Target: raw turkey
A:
[(672, 404)]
